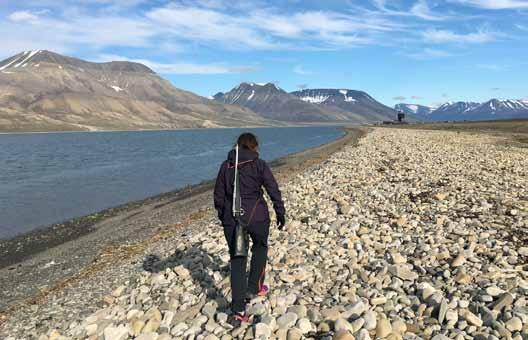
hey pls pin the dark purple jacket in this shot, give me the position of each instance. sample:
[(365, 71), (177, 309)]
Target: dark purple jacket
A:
[(254, 174)]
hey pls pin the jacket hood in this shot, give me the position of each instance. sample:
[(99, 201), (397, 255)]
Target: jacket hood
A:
[(244, 155)]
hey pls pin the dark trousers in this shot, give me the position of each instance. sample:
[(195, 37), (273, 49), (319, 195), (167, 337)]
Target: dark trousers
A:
[(240, 283)]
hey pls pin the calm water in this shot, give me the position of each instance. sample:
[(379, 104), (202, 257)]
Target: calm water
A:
[(48, 178)]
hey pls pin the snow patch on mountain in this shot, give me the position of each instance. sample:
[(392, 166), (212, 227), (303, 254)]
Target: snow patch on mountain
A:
[(315, 99), (27, 59), (347, 98), (413, 108), (9, 64), (117, 88)]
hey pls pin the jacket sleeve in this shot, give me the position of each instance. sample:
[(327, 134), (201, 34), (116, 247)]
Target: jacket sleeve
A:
[(272, 188), (219, 190)]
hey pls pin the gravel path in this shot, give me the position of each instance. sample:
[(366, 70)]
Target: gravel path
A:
[(412, 234)]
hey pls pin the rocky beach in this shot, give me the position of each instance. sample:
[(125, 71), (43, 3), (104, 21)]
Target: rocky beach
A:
[(410, 234)]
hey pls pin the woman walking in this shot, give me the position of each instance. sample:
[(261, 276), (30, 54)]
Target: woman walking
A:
[(253, 174)]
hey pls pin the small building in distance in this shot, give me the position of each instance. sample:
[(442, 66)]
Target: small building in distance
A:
[(400, 119)]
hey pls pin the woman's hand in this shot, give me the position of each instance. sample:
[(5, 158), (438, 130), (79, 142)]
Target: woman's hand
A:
[(281, 221)]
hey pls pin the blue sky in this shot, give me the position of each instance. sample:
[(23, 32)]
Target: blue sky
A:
[(419, 51)]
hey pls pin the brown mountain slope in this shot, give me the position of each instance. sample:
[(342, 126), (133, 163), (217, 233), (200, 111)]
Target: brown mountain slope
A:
[(44, 91), (335, 106), (271, 102)]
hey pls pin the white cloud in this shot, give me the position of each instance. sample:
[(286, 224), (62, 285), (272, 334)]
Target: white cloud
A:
[(300, 70), (104, 31), (428, 53), (266, 29), (206, 3), (447, 36), (173, 27), (106, 5), (198, 24), (522, 27), (420, 9), (67, 34), (191, 68), (187, 24), (182, 67), (21, 16), (495, 4)]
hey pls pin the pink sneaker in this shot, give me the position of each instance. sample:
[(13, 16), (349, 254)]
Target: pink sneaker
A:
[(237, 319), (264, 290)]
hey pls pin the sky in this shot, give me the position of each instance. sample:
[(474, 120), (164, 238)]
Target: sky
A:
[(413, 51)]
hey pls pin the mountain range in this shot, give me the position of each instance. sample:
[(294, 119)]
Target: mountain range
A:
[(307, 106), (457, 111), (45, 91)]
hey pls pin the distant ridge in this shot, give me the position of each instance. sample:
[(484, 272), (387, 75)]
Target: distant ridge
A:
[(45, 91), (491, 110), (355, 105), (310, 105), (272, 102), (24, 59)]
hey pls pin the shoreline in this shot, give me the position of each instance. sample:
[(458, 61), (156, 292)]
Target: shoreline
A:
[(302, 125), (18, 247), (27, 259), (58, 233)]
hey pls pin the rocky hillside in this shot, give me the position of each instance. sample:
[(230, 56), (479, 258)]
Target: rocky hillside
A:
[(45, 91), (457, 111), (272, 102), (355, 105)]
